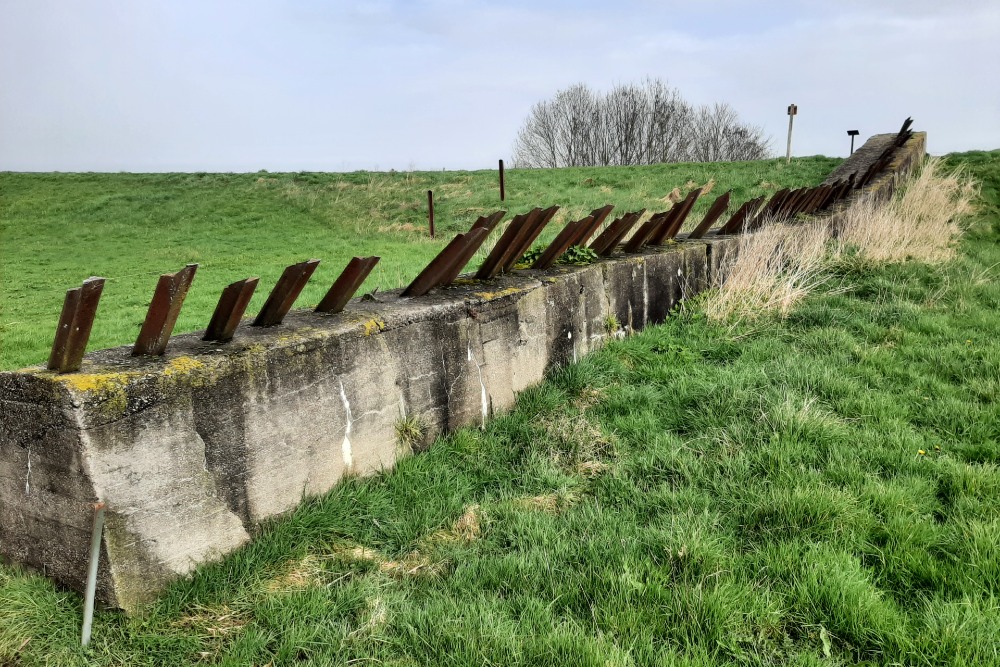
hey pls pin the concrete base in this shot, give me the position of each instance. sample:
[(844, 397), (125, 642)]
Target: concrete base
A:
[(191, 450)]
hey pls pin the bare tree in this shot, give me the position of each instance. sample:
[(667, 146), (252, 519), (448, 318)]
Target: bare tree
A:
[(643, 123)]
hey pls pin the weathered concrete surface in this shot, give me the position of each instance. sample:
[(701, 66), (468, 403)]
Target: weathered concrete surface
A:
[(907, 157), (191, 450)]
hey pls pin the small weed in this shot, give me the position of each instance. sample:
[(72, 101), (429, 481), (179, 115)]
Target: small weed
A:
[(411, 432)]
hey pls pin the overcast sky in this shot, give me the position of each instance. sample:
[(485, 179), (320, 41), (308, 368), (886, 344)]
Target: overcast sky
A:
[(202, 85)]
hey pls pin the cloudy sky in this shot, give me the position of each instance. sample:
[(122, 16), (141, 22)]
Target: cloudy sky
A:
[(207, 85)]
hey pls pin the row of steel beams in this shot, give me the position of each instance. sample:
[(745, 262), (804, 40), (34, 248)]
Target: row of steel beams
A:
[(80, 305), (80, 308)]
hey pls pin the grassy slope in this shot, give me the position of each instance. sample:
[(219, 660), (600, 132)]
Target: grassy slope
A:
[(765, 501), (57, 229)]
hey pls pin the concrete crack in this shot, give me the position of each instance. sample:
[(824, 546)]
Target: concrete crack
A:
[(482, 385), (346, 446)]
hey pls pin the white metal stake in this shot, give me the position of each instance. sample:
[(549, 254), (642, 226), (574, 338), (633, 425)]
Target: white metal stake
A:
[(95, 556)]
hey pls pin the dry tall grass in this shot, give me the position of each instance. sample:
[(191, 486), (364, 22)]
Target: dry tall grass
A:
[(780, 264), (923, 223), (774, 268)]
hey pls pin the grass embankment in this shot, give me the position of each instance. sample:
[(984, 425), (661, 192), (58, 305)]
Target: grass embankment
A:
[(818, 490), (58, 229)]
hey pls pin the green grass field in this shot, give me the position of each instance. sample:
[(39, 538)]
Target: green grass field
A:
[(819, 490), (58, 229)]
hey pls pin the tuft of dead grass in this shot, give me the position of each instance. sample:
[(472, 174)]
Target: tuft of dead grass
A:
[(467, 528), (300, 574), (922, 223), (774, 269), (575, 440), (780, 264), (413, 564)]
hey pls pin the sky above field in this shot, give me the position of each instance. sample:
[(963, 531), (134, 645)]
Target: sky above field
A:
[(337, 86)]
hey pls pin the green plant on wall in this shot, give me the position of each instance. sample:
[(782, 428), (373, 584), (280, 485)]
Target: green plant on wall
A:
[(410, 433)]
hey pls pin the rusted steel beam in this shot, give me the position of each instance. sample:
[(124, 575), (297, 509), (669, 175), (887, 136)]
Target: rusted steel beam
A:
[(443, 263), (606, 243), (830, 195), (601, 242), (767, 212), (787, 208), (714, 212), (529, 234), (75, 323), (561, 243), (488, 222), (845, 189), (473, 243), (641, 235), (737, 220), (229, 311), (293, 279), (494, 261), (669, 230), (599, 215), (814, 199), (346, 284), (163, 311)]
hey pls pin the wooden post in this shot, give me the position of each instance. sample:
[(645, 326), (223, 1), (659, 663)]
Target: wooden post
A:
[(792, 110), (501, 181), (430, 210)]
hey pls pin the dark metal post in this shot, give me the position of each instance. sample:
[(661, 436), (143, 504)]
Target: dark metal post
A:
[(501, 181), (792, 110), (852, 134), (430, 211)]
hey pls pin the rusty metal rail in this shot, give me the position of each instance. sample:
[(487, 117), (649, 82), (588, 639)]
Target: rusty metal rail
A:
[(599, 215), (528, 236), (609, 239), (163, 311), (293, 279), (714, 212), (494, 261), (448, 261), (737, 221), (669, 228), (75, 324), (639, 238), (80, 304), (346, 284), (562, 242), (229, 311)]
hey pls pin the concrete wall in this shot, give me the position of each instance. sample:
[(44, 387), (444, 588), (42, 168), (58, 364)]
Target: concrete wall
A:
[(189, 451)]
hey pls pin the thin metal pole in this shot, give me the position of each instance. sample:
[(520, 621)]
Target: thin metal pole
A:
[(788, 154), (852, 144), (430, 210), (95, 556), (501, 181)]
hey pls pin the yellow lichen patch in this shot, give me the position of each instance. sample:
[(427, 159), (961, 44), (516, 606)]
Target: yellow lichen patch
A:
[(182, 366), (489, 296), (96, 383), (373, 326)]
